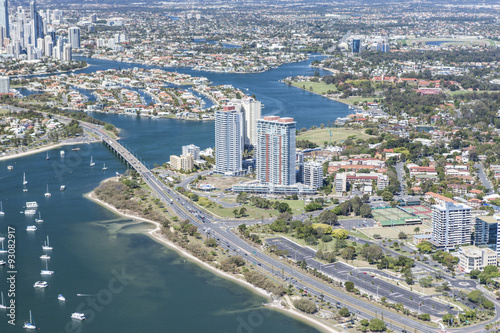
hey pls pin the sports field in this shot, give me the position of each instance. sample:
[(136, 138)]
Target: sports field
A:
[(391, 216)]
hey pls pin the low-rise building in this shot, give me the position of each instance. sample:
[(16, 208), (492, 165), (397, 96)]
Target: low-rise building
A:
[(183, 162), (472, 257)]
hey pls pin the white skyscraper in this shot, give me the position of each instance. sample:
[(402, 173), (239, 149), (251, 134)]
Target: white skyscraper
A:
[(4, 84), (313, 174), (451, 224), (228, 140), (275, 153), (67, 53), (48, 46), (252, 110), (4, 16), (74, 37)]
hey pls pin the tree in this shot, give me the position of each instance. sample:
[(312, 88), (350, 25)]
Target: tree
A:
[(243, 211), (349, 253), (376, 325), (426, 282), (475, 296), (306, 305), (424, 247), (387, 196), (365, 210), (211, 242), (328, 217), (344, 312), (236, 212), (402, 235), (424, 316), (474, 274), (242, 198), (349, 286)]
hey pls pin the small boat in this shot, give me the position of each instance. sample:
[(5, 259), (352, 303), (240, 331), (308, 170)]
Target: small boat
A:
[(10, 167), (47, 246), (2, 249), (39, 219), (47, 194), (62, 188), (31, 228), (78, 316), (61, 153), (41, 284), (1, 209), (31, 324), (45, 257), (30, 212), (61, 298), (47, 157), (2, 306), (75, 149), (24, 179), (92, 163), (104, 168), (25, 189), (3, 262), (46, 270)]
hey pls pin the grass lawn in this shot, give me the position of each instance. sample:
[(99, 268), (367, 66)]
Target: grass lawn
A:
[(315, 87), (465, 92), (319, 136), (297, 207), (353, 100)]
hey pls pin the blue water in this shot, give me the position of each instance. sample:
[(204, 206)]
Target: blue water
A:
[(91, 244), (436, 42)]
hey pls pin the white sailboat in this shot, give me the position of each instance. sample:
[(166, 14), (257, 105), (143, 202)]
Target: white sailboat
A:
[(104, 168), (91, 161), (47, 246), (24, 179), (47, 157), (45, 257), (46, 270), (2, 306), (31, 324), (1, 209), (39, 219), (47, 194)]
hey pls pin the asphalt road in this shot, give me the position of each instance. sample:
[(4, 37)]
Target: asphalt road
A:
[(482, 176)]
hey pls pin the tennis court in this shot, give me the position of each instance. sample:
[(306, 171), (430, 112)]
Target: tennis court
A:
[(423, 212), (393, 216)]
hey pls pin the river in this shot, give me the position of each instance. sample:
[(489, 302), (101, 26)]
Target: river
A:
[(134, 283)]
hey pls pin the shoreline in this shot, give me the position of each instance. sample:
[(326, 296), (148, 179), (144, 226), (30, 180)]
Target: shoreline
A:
[(156, 236), (42, 149)]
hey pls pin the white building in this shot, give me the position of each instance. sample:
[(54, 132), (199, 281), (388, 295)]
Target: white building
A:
[(275, 153), (228, 141), (67, 53), (4, 84), (451, 224), (313, 174), (191, 149), (252, 109), (472, 257), (74, 37)]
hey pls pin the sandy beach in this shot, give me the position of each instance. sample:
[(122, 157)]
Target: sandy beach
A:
[(156, 235)]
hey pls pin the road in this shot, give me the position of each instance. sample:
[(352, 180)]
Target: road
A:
[(482, 176)]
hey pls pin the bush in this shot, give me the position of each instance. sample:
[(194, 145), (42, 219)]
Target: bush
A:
[(305, 305), (424, 316), (376, 325), (349, 286)]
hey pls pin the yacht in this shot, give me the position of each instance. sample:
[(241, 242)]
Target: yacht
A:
[(3, 262), (31, 228), (30, 325), (45, 257), (61, 153), (39, 219), (78, 316), (2, 249), (10, 167), (61, 298), (1, 209), (46, 245), (92, 163), (62, 188), (41, 284), (47, 194), (46, 270)]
